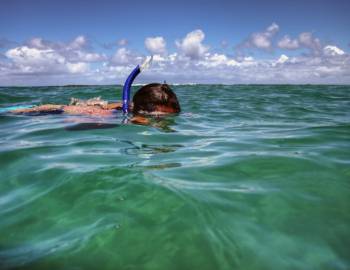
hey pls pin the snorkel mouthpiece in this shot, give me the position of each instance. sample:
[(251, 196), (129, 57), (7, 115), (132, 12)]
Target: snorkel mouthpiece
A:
[(127, 87), (130, 80)]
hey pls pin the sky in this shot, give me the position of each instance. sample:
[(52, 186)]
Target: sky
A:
[(229, 42)]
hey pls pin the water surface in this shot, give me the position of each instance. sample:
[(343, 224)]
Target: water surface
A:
[(246, 177)]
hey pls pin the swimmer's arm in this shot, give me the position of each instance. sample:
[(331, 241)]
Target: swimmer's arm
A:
[(114, 106), (68, 109), (46, 108), (53, 107), (117, 106), (140, 120)]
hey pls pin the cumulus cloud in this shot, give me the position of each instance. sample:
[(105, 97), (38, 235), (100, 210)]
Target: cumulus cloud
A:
[(262, 40), (77, 50), (221, 68), (40, 61), (87, 56), (38, 43), (117, 43), (287, 43), (77, 67), (191, 45), (78, 43), (272, 29), (25, 56), (305, 40), (39, 57), (283, 58), (125, 57), (45, 61), (155, 45), (331, 50), (215, 60), (122, 42)]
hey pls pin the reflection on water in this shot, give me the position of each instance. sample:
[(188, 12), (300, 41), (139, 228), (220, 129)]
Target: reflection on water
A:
[(88, 126), (140, 148), (160, 166)]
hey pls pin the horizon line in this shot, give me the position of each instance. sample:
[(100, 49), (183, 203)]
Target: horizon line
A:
[(176, 84)]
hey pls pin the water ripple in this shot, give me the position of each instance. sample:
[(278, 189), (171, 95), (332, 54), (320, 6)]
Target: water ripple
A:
[(246, 177)]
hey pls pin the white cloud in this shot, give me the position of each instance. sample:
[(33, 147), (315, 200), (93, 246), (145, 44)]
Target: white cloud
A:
[(34, 57), (43, 60), (307, 40), (326, 71), (78, 43), (272, 29), (123, 56), (88, 57), (191, 45), (283, 58), (215, 60), (77, 67), (263, 40), (330, 50), (287, 43), (155, 45), (74, 51), (122, 42), (40, 61), (38, 43)]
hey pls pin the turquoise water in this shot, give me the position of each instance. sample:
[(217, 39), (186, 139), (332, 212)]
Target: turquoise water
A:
[(246, 177)]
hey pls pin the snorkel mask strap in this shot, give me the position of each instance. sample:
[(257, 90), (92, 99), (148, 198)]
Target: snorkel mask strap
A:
[(127, 85)]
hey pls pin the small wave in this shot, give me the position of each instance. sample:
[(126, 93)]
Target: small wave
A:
[(72, 241), (179, 184), (253, 177)]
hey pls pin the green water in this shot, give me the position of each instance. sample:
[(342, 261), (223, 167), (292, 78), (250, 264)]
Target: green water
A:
[(246, 177)]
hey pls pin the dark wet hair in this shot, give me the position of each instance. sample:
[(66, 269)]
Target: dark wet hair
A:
[(151, 97)]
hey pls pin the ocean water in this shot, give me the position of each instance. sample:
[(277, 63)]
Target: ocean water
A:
[(245, 177)]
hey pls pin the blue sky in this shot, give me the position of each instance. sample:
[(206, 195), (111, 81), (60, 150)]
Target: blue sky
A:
[(59, 42)]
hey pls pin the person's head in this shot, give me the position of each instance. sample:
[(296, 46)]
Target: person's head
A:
[(155, 98)]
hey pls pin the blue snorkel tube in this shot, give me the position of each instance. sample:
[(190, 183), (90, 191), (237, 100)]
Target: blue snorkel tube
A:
[(127, 85), (127, 88)]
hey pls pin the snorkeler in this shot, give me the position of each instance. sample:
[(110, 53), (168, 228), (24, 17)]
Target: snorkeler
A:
[(152, 99)]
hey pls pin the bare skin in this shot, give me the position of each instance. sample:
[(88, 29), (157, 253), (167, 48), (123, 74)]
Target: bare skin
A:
[(83, 110), (41, 108), (87, 110), (140, 120), (72, 109)]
